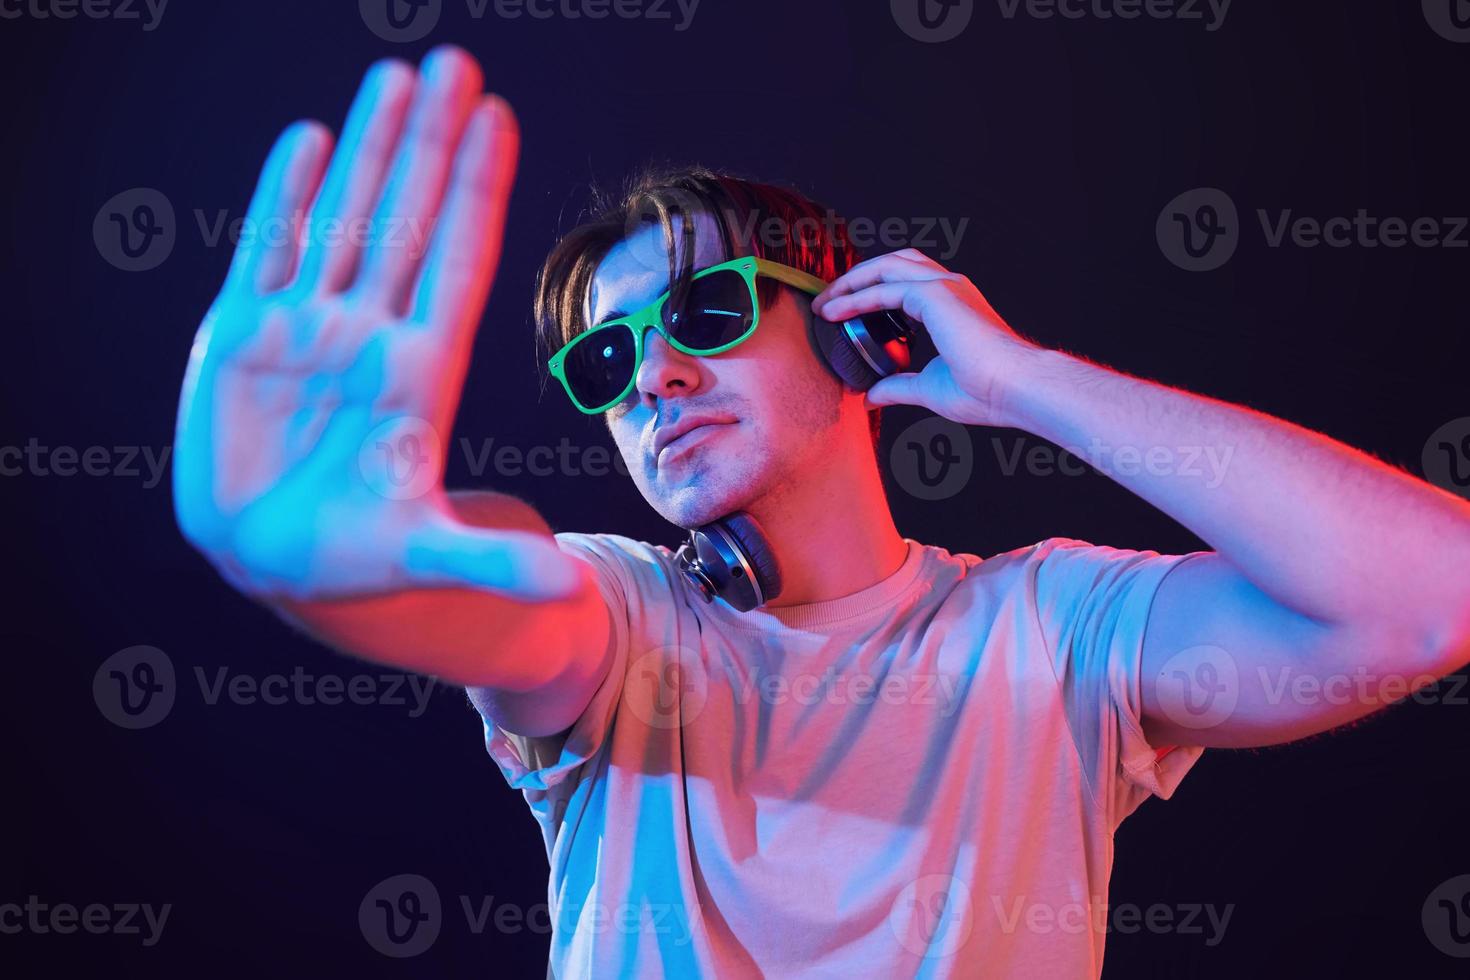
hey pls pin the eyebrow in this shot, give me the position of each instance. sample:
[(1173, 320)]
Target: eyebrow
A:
[(616, 314)]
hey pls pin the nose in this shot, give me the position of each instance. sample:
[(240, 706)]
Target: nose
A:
[(665, 372)]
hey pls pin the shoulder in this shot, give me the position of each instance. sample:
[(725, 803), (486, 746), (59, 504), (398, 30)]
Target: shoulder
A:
[(633, 564), (1044, 572), (614, 547), (1068, 583), (1007, 568)]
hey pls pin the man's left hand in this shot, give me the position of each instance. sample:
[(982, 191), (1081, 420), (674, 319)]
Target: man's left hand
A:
[(979, 355)]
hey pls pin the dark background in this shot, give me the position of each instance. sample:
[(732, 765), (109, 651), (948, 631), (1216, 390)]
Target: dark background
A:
[(264, 826)]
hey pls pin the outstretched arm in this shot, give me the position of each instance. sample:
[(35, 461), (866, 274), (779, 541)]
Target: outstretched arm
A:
[(1337, 583), (320, 392)]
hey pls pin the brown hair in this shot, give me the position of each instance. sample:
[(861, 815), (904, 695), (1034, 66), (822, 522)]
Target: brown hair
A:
[(764, 220)]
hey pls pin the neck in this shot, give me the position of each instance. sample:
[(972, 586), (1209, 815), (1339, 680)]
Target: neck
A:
[(831, 530)]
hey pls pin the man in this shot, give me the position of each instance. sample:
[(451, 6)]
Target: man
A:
[(911, 762)]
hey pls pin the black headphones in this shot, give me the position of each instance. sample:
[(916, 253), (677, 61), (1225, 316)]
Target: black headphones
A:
[(730, 558)]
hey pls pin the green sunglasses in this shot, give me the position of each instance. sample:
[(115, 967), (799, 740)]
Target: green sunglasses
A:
[(599, 366)]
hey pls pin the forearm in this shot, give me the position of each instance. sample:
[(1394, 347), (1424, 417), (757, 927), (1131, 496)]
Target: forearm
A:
[(1319, 527), (464, 636), (467, 636)]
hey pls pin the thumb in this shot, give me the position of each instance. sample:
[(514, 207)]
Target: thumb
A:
[(525, 565), (896, 389)]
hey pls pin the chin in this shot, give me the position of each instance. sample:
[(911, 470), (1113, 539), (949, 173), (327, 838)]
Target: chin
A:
[(706, 495), (688, 507)]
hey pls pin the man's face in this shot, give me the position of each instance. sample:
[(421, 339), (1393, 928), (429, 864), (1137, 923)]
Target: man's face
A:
[(773, 399)]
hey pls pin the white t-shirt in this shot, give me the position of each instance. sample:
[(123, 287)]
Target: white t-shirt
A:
[(922, 778)]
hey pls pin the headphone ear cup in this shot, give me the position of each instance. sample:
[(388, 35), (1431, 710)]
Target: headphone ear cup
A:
[(842, 355), (752, 541)]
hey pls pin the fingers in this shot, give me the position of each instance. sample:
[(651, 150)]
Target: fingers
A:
[(355, 177), (455, 281), (896, 389), (264, 260), (523, 565), (916, 297), (902, 266), (914, 255), (447, 92)]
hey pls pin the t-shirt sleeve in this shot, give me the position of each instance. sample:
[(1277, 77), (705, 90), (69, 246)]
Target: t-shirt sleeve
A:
[(1093, 604), (538, 765)]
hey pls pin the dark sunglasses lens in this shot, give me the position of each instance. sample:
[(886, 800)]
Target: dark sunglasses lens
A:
[(599, 366), (716, 311)]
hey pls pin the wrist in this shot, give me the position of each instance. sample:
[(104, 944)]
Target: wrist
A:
[(1021, 394)]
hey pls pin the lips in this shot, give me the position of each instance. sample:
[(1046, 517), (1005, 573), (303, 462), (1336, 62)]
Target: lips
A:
[(694, 427)]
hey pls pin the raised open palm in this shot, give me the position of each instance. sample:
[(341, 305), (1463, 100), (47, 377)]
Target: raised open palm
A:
[(324, 379)]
